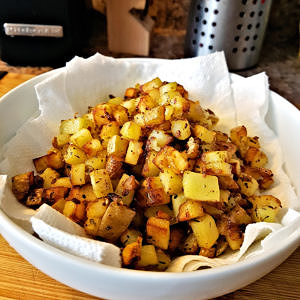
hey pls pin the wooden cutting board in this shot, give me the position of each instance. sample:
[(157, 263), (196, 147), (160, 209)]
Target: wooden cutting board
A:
[(20, 280)]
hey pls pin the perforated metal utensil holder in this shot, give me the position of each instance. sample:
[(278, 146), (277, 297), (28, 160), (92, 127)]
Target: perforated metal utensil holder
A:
[(235, 26)]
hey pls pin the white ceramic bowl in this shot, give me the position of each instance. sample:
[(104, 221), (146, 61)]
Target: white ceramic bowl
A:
[(113, 283)]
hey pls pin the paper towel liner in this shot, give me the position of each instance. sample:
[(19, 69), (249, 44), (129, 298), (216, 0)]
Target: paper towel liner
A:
[(85, 82)]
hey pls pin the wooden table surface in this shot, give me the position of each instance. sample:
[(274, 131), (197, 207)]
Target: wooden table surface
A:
[(20, 280)]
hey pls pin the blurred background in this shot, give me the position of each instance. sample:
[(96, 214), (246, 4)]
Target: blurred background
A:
[(131, 28)]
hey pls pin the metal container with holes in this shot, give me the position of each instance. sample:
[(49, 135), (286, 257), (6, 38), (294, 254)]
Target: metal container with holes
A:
[(236, 27)]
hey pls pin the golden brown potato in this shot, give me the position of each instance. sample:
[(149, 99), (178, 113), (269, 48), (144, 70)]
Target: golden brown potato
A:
[(21, 184), (158, 232), (114, 167)]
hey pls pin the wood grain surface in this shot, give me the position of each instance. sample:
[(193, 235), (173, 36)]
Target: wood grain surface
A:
[(20, 280)]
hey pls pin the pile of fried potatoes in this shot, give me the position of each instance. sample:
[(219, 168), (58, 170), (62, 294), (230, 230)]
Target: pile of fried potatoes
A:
[(151, 175)]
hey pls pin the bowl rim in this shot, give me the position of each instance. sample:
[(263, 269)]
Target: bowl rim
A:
[(292, 241)]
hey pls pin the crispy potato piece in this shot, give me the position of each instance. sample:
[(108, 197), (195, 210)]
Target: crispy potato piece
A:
[(134, 151), (196, 112), (78, 174), (35, 198), (190, 210), (101, 183), (158, 139), (181, 129), (117, 146), (205, 135), (81, 137), (171, 182), (163, 260), (59, 205), (228, 183), (192, 148), (176, 236), (190, 245), (49, 176), (177, 201), (146, 103), (103, 114), (120, 114), (130, 93), (92, 148), (132, 251), (71, 126), (247, 184), (256, 158), (131, 131), (130, 236), (21, 184), (239, 216), (75, 210), (158, 232), (74, 155), (208, 252), (98, 162), (148, 257), (108, 131), (150, 85), (149, 168), (114, 166), (115, 221), (53, 194), (82, 193), (152, 117), (52, 160), (126, 188), (62, 181)]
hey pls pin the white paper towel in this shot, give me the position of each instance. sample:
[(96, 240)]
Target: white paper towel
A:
[(86, 82)]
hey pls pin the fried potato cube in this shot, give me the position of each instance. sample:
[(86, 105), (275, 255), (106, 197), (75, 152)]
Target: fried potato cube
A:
[(181, 129), (163, 260), (248, 184), (117, 146), (157, 139), (53, 194), (81, 137), (190, 245), (205, 135), (158, 232), (154, 116), (97, 208), (115, 221), (146, 103), (192, 149), (237, 133), (205, 231), (103, 114), (131, 131), (78, 174), (190, 210), (116, 100), (21, 184), (176, 236), (126, 188), (114, 167), (152, 211), (239, 216), (120, 114), (91, 226), (235, 166), (131, 105), (92, 148), (74, 211), (265, 208), (177, 200), (169, 157), (74, 155), (228, 183), (169, 110), (48, 176), (172, 182), (82, 193), (154, 95), (35, 198), (131, 252), (59, 205), (154, 192), (149, 168), (152, 84), (130, 93), (108, 131), (180, 104), (196, 112), (148, 256), (214, 156), (52, 160), (134, 151), (62, 139), (130, 236), (62, 181), (201, 187), (71, 126), (256, 158), (165, 88), (98, 162), (234, 237), (101, 183)]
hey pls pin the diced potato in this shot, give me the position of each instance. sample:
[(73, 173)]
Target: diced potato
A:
[(118, 100), (52, 160), (91, 226), (101, 183), (126, 188), (196, 112), (163, 260), (169, 110), (181, 129), (130, 236), (205, 135), (134, 151), (214, 156), (120, 114), (201, 187), (62, 139), (256, 158), (59, 205), (131, 252), (81, 137), (97, 162), (21, 184), (82, 193), (235, 239), (228, 183), (131, 105), (150, 85), (97, 208), (171, 86), (74, 155), (220, 168), (53, 194), (265, 208), (177, 200), (158, 139), (149, 168), (146, 102), (235, 166), (108, 131), (62, 181), (154, 94), (154, 192), (169, 157), (237, 133), (78, 174), (117, 145), (74, 211), (131, 130), (190, 245), (148, 256), (88, 121), (224, 196), (205, 230), (210, 253), (181, 106), (115, 221), (158, 232), (92, 148), (103, 114), (193, 148), (71, 126), (190, 210), (239, 216), (247, 184), (130, 93), (114, 167), (49, 175), (176, 236), (35, 198), (154, 116), (172, 182)]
